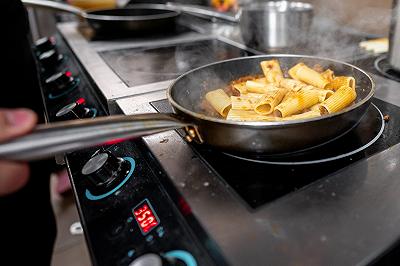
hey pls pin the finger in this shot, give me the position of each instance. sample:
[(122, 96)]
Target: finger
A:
[(16, 122), (13, 176)]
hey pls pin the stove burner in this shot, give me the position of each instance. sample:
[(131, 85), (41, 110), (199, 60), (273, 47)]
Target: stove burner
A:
[(145, 65), (372, 119), (382, 65)]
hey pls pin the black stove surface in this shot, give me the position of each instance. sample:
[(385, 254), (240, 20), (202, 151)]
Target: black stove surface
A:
[(92, 35), (139, 66), (261, 183), (378, 66)]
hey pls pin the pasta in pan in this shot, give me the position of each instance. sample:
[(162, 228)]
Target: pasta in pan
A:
[(304, 93)]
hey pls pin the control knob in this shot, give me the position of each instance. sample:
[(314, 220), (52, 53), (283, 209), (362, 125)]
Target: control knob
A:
[(105, 170), (50, 59), (149, 259), (77, 109), (59, 82), (45, 44), (152, 259)]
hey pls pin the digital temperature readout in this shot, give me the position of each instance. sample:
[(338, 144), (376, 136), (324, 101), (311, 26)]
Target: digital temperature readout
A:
[(145, 217)]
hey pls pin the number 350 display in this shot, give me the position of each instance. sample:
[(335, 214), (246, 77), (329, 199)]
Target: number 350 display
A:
[(145, 217)]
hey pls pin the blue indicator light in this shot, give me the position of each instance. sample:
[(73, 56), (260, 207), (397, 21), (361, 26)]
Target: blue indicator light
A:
[(160, 232), (94, 111), (131, 253), (149, 238), (182, 255)]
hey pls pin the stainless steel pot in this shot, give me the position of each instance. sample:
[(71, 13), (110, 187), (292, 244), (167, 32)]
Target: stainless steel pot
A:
[(185, 96), (280, 24), (265, 25)]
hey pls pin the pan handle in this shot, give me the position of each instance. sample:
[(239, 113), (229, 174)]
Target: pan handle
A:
[(201, 11), (61, 137), (56, 6)]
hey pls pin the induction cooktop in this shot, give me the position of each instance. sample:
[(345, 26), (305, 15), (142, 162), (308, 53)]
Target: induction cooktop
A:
[(144, 65), (262, 179)]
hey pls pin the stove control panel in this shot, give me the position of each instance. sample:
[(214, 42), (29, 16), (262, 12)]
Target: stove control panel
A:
[(129, 218), (67, 92), (130, 212)]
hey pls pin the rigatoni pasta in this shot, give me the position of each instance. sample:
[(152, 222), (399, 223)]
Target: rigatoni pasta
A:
[(328, 74), (268, 102), (308, 93), (259, 87), (344, 96), (220, 101), (248, 115), (310, 76), (299, 101), (338, 82), (272, 70), (245, 101)]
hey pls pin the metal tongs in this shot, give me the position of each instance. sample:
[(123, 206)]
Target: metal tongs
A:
[(61, 137)]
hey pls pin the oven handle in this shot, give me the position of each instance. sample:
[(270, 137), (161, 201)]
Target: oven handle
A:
[(61, 137)]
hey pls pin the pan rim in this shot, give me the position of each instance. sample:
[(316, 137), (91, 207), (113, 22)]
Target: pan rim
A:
[(268, 123), (172, 13)]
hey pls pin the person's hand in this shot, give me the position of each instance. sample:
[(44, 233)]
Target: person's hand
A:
[(13, 123)]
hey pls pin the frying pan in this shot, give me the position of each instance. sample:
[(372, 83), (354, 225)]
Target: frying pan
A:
[(185, 95), (132, 19)]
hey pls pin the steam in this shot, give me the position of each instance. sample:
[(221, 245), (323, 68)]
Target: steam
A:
[(340, 25)]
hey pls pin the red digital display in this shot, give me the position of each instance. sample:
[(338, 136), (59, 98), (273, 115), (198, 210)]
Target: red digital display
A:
[(80, 101), (145, 217)]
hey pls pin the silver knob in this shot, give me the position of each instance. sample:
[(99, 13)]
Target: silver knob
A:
[(104, 169), (149, 259)]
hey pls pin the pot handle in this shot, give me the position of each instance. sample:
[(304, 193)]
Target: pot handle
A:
[(55, 6), (201, 11), (61, 137)]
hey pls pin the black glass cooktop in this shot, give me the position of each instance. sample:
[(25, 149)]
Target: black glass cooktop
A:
[(138, 66), (261, 180)]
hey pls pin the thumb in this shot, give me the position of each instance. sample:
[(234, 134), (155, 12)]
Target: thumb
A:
[(16, 122)]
